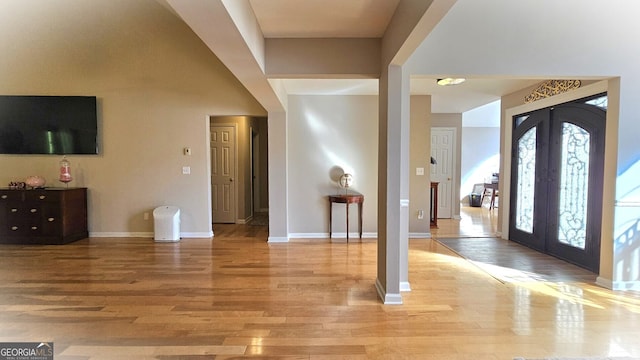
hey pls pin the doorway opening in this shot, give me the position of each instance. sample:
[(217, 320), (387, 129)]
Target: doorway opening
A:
[(239, 168)]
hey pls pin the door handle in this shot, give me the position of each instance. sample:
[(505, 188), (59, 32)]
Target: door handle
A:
[(230, 179)]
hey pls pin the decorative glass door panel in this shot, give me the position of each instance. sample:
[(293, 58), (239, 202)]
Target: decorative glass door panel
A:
[(526, 181), (528, 166), (574, 186), (556, 180)]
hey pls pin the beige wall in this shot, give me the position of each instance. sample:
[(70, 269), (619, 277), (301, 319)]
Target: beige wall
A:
[(156, 85), (420, 153), (359, 57), (326, 133)]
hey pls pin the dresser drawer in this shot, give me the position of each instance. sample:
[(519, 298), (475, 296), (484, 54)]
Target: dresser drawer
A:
[(10, 195), (35, 196), (22, 229), (12, 213), (18, 217), (24, 209)]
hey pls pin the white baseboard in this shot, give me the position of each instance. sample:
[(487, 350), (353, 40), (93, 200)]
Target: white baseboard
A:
[(388, 299), (308, 235), (405, 286), (196, 235), (278, 239), (605, 283), (103, 234), (420, 235), (352, 235), (618, 285), (339, 235), (183, 235)]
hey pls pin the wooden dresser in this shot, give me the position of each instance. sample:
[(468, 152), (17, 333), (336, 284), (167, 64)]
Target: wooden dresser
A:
[(43, 216)]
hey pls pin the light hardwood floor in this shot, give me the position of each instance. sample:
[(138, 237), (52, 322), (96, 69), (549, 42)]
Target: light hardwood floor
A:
[(237, 296)]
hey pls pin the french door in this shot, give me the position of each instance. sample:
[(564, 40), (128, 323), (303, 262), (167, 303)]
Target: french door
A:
[(556, 180)]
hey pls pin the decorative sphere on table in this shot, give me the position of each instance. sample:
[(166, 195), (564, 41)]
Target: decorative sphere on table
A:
[(35, 181), (346, 180)]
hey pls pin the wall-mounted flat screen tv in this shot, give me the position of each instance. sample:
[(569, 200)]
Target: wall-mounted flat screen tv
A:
[(48, 125)]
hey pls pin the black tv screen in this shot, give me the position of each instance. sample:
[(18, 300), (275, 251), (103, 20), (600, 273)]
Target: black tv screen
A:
[(48, 125)]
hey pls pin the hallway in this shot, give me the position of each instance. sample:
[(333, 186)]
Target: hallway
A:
[(477, 222)]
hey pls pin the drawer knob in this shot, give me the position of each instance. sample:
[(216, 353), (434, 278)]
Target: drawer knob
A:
[(14, 210), (4, 196), (42, 197), (34, 228), (14, 228), (51, 219), (34, 210)]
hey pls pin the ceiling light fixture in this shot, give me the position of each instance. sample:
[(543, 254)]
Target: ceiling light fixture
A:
[(450, 81)]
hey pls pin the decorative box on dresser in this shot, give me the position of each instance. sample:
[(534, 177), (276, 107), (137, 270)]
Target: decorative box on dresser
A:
[(43, 216)]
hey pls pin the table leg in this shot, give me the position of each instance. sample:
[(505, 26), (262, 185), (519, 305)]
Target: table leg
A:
[(347, 221), (330, 216), (360, 218)]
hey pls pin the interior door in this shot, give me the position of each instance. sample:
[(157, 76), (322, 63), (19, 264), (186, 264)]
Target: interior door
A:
[(557, 181), (443, 151), (223, 169)]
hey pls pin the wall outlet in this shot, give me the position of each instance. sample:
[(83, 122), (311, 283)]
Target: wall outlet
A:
[(420, 214)]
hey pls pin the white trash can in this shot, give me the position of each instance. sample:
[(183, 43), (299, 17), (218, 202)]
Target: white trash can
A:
[(166, 223)]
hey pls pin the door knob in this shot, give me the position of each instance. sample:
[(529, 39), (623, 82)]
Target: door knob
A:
[(230, 179)]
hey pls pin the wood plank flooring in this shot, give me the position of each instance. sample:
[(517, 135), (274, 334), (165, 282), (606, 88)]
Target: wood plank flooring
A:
[(237, 296)]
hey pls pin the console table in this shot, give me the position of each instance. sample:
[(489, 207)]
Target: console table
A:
[(43, 216), (346, 199)]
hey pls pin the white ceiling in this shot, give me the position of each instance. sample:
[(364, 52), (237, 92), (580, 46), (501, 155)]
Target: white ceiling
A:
[(366, 18)]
